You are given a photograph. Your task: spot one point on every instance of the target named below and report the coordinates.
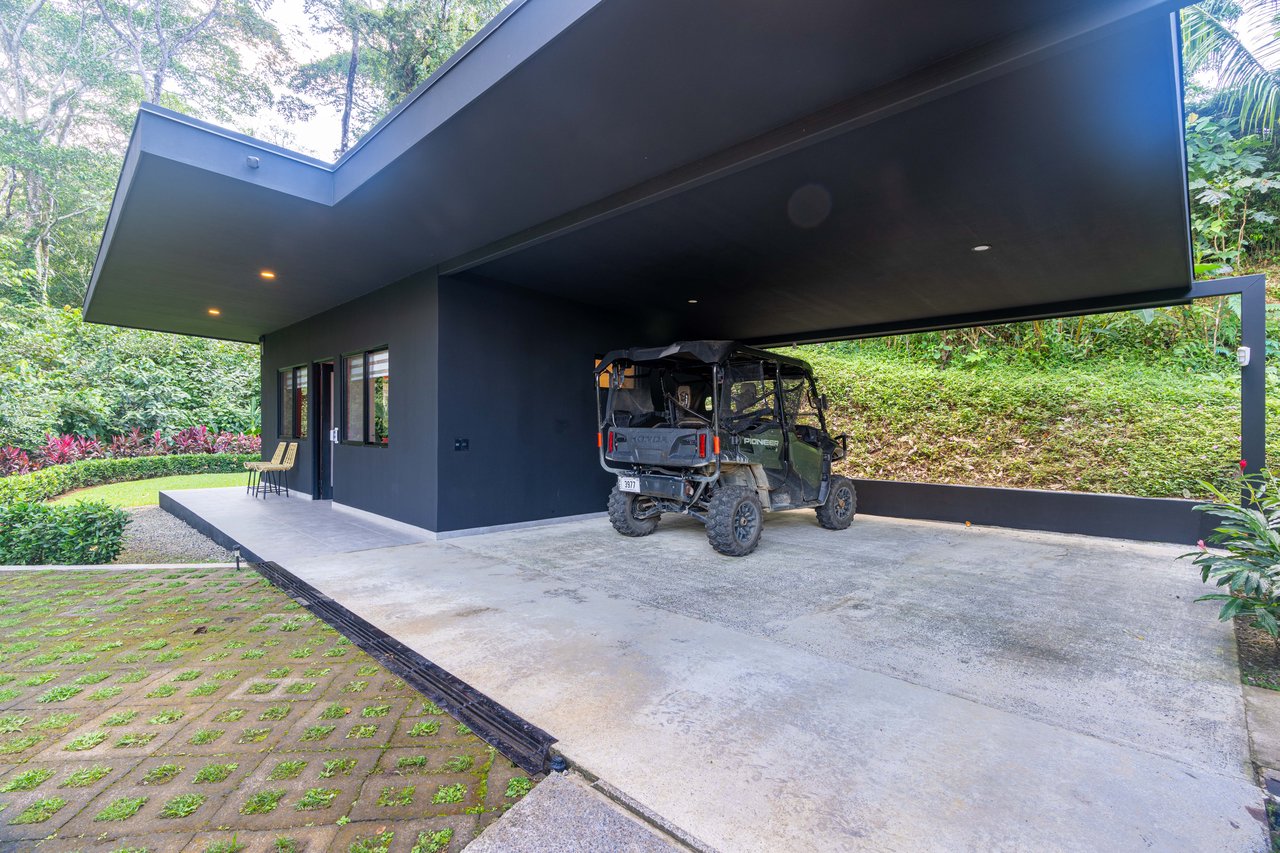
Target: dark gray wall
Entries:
(516, 383)
(397, 481)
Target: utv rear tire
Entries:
(842, 502)
(623, 507)
(734, 521)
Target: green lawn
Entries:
(147, 492)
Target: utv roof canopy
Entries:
(698, 352)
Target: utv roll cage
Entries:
(622, 367)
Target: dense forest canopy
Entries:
(74, 72)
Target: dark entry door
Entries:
(325, 423)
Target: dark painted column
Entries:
(1253, 376)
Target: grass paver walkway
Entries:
(202, 709)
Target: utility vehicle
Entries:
(718, 431)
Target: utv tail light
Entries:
(717, 445)
(610, 441)
(599, 439)
(702, 445)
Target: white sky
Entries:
(318, 137)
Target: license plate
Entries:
(629, 484)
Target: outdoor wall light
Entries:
(982, 248)
(267, 274)
(214, 312)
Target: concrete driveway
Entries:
(898, 686)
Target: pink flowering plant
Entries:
(66, 449)
(1242, 555)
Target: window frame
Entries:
(343, 361)
(301, 429)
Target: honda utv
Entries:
(718, 431)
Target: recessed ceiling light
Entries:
(267, 274)
(214, 312)
(982, 248)
(693, 302)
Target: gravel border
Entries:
(155, 536)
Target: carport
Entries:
(585, 176)
(814, 171)
(902, 685)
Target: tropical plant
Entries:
(1227, 176)
(1215, 40)
(1245, 559)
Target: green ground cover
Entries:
(147, 492)
(1106, 424)
(129, 720)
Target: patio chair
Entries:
(255, 468)
(278, 473)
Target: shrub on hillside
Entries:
(84, 533)
(50, 482)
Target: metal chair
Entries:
(255, 468)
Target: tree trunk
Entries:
(351, 90)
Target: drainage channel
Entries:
(516, 738)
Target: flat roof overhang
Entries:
(818, 168)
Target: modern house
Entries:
(592, 174)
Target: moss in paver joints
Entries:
(262, 802)
(182, 805)
(40, 811)
(287, 770)
(432, 842)
(86, 776)
(28, 780)
(121, 809)
(85, 741)
(455, 793)
(338, 766)
(314, 733)
(215, 773)
(317, 798)
(175, 699)
(206, 736)
(161, 774)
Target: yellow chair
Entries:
(255, 468)
(278, 473)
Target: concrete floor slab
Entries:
(898, 686)
(563, 815)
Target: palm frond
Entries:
(1248, 88)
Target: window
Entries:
(293, 403)
(367, 396)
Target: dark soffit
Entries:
(794, 167)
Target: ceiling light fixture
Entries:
(981, 248)
(214, 312)
(267, 274)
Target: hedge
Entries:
(85, 533)
(50, 482)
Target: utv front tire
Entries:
(734, 521)
(842, 503)
(623, 508)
